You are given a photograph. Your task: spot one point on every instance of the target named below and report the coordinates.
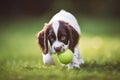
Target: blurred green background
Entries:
(20, 56)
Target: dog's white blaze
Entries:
(55, 26)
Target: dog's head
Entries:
(57, 36)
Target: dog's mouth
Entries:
(61, 51)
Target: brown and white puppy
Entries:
(61, 33)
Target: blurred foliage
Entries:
(39, 7)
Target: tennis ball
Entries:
(66, 56)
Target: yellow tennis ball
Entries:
(66, 56)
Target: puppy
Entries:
(62, 32)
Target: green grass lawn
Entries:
(20, 56)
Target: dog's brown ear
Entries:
(73, 36)
(42, 39)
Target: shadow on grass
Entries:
(106, 67)
(101, 67)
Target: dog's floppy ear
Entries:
(42, 38)
(73, 36)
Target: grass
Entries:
(20, 57)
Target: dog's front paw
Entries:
(81, 61)
(76, 63)
(73, 65)
(76, 66)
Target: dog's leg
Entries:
(47, 59)
(78, 55)
(77, 59)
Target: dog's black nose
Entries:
(58, 49)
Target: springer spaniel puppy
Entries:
(60, 33)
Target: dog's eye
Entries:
(52, 39)
(63, 38)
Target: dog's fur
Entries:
(61, 33)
